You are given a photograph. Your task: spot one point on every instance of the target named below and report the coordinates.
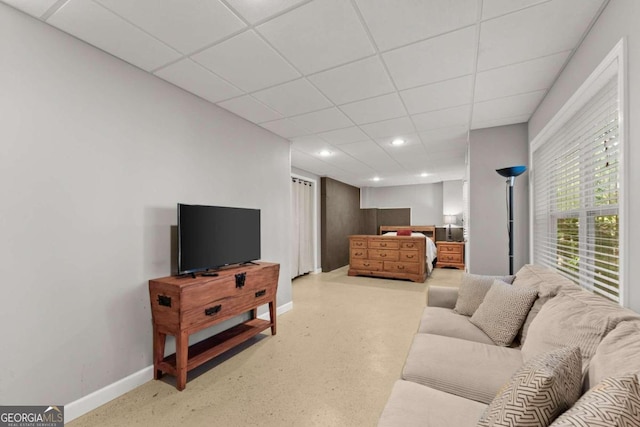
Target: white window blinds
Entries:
(576, 187)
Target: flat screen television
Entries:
(210, 237)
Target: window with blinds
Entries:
(576, 195)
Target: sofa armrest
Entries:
(442, 296)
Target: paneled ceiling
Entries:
(342, 79)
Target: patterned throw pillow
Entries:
(503, 311)
(538, 392)
(614, 402)
(473, 289)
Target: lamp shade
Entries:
(512, 171)
(449, 219)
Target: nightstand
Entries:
(450, 254)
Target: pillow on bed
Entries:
(404, 232)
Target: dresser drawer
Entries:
(366, 264)
(409, 256)
(358, 253)
(449, 248)
(358, 243)
(402, 267)
(384, 254)
(384, 243)
(409, 245)
(450, 257)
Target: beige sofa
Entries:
(454, 369)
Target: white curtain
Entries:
(302, 224)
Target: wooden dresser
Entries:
(450, 254)
(181, 306)
(397, 257)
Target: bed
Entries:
(399, 252)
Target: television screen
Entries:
(210, 237)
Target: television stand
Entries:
(184, 306)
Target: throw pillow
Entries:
(403, 232)
(472, 291)
(614, 402)
(503, 311)
(538, 392)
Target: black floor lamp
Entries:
(510, 173)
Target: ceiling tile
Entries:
(238, 59)
(254, 11)
(323, 120)
(372, 155)
(431, 138)
(344, 136)
(519, 78)
(35, 8)
(493, 8)
(185, 25)
(394, 23)
(346, 162)
(327, 33)
(296, 97)
(192, 77)
(393, 127)
(511, 106)
(503, 121)
(375, 109)
(442, 118)
(541, 30)
(310, 144)
(102, 28)
(355, 81)
(285, 128)
(314, 165)
(250, 109)
(441, 58)
(436, 96)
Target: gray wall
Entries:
(95, 156)
(424, 200)
(619, 19)
(488, 245)
(341, 216)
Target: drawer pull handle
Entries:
(212, 310)
(240, 279)
(366, 264)
(409, 256)
(401, 267)
(383, 245)
(358, 253)
(358, 244)
(261, 293)
(164, 300)
(383, 255)
(410, 245)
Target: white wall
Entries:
(425, 201)
(619, 19)
(316, 178)
(452, 201)
(488, 246)
(95, 156)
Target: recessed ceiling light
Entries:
(423, 174)
(325, 153)
(398, 141)
(375, 178)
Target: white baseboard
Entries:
(88, 403)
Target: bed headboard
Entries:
(427, 230)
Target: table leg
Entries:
(159, 340)
(182, 353)
(272, 316)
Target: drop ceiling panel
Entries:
(104, 29)
(437, 96)
(310, 144)
(285, 128)
(394, 23)
(511, 106)
(523, 77)
(296, 97)
(355, 81)
(540, 30)
(375, 109)
(327, 33)
(251, 109)
(393, 127)
(344, 136)
(502, 121)
(493, 8)
(33, 7)
(254, 11)
(440, 58)
(442, 135)
(323, 120)
(372, 155)
(185, 25)
(198, 80)
(442, 118)
(239, 59)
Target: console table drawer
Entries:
(366, 264)
(402, 267)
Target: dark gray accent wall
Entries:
(400, 216)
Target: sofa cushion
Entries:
(615, 402)
(444, 321)
(573, 318)
(412, 404)
(617, 354)
(503, 311)
(467, 369)
(473, 289)
(538, 392)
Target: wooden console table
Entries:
(181, 306)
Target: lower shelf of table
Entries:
(209, 348)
